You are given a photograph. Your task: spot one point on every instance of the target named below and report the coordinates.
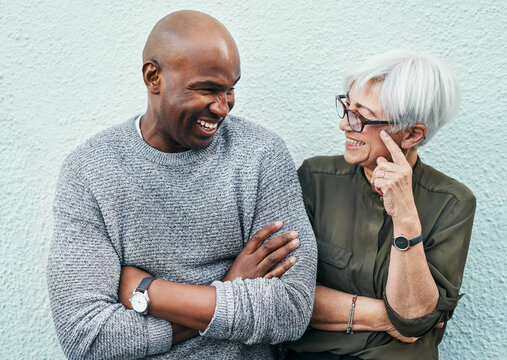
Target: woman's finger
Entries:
(381, 174)
(410, 340)
(382, 182)
(394, 149)
(388, 166)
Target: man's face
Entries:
(197, 93)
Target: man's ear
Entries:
(151, 77)
(413, 136)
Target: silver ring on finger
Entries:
(383, 174)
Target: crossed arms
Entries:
(190, 308)
(86, 261)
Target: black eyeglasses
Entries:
(355, 119)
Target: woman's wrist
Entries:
(370, 315)
(382, 322)
(407, 225)
(351, 315)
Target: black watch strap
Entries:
(416, 240)
(145, 283)
(402, 243)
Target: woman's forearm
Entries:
(332, 307)
(411, 290)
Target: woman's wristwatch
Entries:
(402, 243)
(139, 298)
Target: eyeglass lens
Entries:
(354, 121)
(340, 108)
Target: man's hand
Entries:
(130, 278)
(256, 258)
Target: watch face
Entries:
(139, 302)
(401, 243)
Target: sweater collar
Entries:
(190, 156)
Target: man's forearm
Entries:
(332, 308)
(182, 333)
(192, 306)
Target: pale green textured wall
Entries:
(71, 69)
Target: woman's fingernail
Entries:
(278, 223)
(292, 259)
(383, 133)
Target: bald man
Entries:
(167, 240)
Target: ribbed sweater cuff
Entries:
(160, 335)
(220, 326)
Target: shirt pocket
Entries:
(333, 266)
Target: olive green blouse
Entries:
(354, 236)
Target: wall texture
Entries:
(71, 69)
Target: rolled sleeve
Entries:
(413, 327)
(222, 322)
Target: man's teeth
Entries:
(207, 124)
(354, 142)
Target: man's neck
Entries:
(153, 134)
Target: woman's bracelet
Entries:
(351, 314)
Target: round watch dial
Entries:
(401, 243)
(139, 302)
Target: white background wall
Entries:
(71, 69)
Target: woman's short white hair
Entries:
(416, 89)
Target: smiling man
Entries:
(191, 64)
(157, 250)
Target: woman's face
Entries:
(365, 147)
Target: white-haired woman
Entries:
(393, 232)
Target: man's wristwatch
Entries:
(402, 243)
(139, 298)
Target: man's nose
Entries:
(220, 106)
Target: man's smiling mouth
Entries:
(207, 125)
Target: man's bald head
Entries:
(191, 65)
(186, 30)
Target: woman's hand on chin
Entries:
(393, 180)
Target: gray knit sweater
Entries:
(182, 217)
